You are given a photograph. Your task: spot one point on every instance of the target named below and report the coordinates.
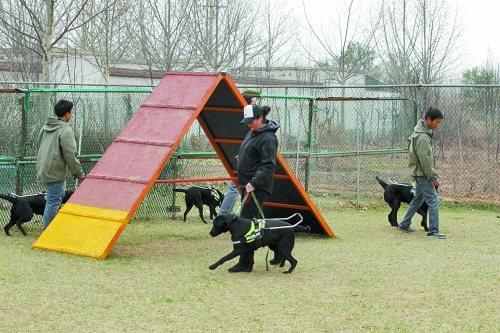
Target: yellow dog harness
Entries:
(256, 231)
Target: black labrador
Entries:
(395, 194)
(199, 196)
(277, 234)
(24, 207)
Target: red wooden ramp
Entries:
(92, 220)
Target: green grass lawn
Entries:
(370, 278)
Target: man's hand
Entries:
(249, 188)
(436, 182)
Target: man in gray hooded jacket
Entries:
(56, 152)
(422, 166)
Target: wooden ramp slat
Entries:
(83, 230)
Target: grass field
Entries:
(370, 278)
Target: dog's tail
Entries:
(300, 228)
(381, 182)
(179, 190)
(9, 198)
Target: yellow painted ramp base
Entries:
(83, 230)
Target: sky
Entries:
(481, 20)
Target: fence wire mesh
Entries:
(336, 139)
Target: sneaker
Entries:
(436, 235)
(408, 230)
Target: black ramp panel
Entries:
(225, 124)
(223, 97)
(284, 192)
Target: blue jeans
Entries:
(55, 195)
(229, 199)
(424, 190)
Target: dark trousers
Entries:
(250, 210)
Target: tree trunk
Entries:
(47, 42)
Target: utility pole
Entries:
(212, 35)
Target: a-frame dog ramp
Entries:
(92, 220)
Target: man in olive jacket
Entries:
(56, 152)
(422, 166)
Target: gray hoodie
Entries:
(422, 161)
(56, 152)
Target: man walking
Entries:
(56, 152)
(422, 165)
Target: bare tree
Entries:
(45, 25)
(162, 34)
(20, 63)
(22, 56)
(345, 47)
(278, 35)
(103, 37)
(224, 32)
(418, 40)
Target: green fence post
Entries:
(357, 157)
(312, 109)
(175, 176)
(24, 103)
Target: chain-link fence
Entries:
(359, 132)
(336, 139)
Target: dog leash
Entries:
(261, 214)
(256, 203)
(258, 206)
(238, 211)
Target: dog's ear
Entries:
(229, 219)
(219, 221)
(224, 219)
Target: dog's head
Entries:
(67, 195)
(221, 224)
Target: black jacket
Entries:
(257, 157)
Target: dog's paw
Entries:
(212, 267)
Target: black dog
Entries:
(24, 207)
(395, 194)
(277, 234)
(199, 196)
